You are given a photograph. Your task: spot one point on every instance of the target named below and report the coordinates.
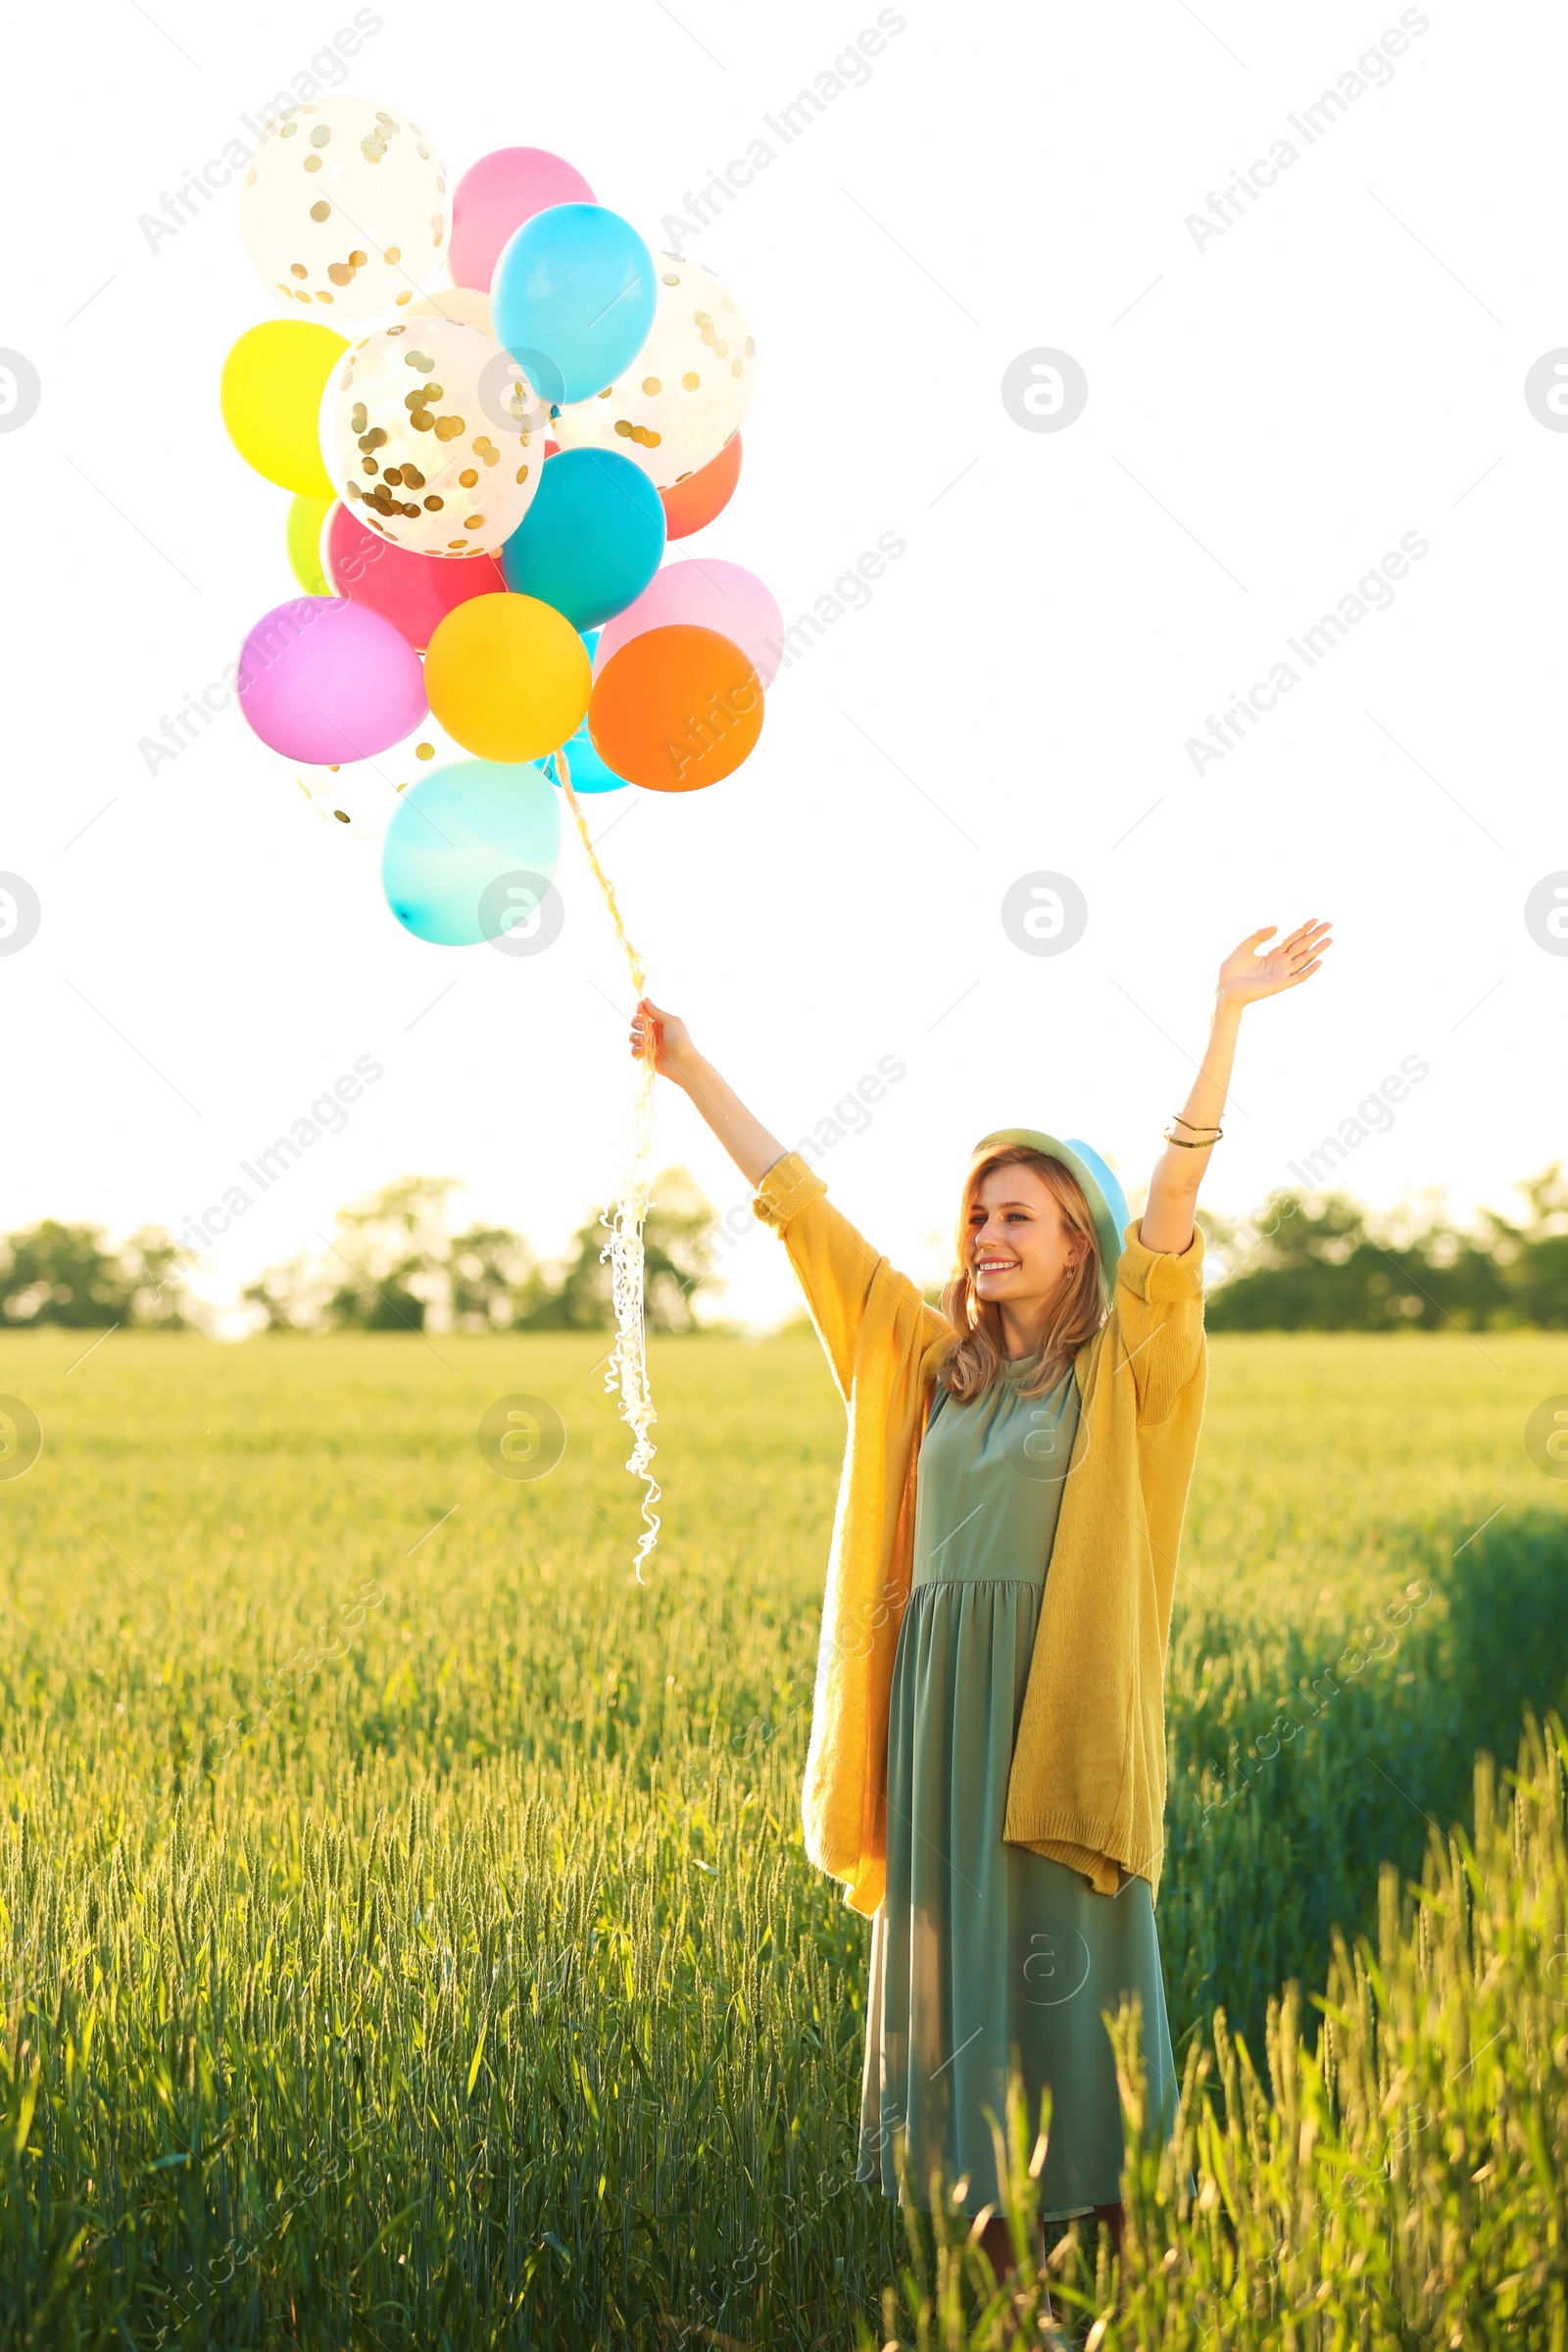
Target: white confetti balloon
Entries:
(690, 386)
(345, 209)
(469, 305)
(350, 800)
(357, 800)
(433, 437)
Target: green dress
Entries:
(982, 1951)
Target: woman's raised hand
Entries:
(743, 1136)
(1244, 975)
(674, 1055)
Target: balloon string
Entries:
(639, 971)
(626, 1366)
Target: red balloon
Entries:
(691, 502)
(414, 592)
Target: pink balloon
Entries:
(497, 195)
(414, 592)
(327, 681)
(705, 594)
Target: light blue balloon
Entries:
(588, 771)
(592, 538)
(457, 834)
(572, 299)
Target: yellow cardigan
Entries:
(1087, 1780)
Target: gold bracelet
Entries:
(1192, 1125)
(1182, 1145)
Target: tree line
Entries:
(392, 1264)
(1321, 1262)
(1305, 1263)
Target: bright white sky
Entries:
(1266, 416)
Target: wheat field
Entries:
(407, 1935)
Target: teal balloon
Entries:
(592, 538)
(588, 771)
(459, 832)
(572, 299)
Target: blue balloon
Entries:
(591, 540)
(588, 771)
(464, 844)
(572, 299)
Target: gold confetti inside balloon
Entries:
(356, 800)
(432, 436)
(345, 209)
(686, 391)
(352, 800)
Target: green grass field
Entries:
(406, 1927)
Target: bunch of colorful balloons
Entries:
(485, 478)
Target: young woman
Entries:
(987, 1763)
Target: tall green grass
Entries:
(455, 1975)
(1390, 2173)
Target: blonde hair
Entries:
(1077, 1312)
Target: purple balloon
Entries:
(329, 681)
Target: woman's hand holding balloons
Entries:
(424, 448)
(671, 1041)
(744, 1137)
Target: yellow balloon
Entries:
(306, 516)
(270, 396)
(508, 677)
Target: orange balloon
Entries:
(675, 708)
(700, 495)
